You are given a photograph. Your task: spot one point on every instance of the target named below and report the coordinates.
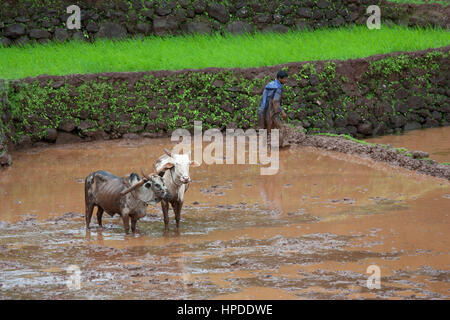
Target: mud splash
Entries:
(309, 232)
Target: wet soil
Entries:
(309, 232)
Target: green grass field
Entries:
(201, 51)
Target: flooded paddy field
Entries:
(309, 232)
(435, 141)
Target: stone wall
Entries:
(5, 157)
(44, 20)
(361, 97)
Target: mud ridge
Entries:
(376, 152)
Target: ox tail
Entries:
(88, 182)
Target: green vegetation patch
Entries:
(346, 136)
(321, 96)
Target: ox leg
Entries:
(165, 209)
(177, 209)
(133, 224)
(99, 216)
(88, 215)
(126, 223)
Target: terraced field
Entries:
(202, 51)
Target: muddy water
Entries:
(435, 141)
(309, 232)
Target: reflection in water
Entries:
(308, 232)
(271, 192)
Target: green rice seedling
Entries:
(202, 51)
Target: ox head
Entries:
(148, 189)
(178, 164)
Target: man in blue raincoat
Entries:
(270, 107)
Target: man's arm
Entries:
(277, 104)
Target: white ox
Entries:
(174, 168)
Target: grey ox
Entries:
(174, 168)
(128, 196)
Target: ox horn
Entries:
(168, 152)
(137, 185)
(146, 176)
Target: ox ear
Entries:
(194, 163)
(167, 166)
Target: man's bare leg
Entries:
(281, 130)
(261, 120)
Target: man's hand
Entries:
(284, 115)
